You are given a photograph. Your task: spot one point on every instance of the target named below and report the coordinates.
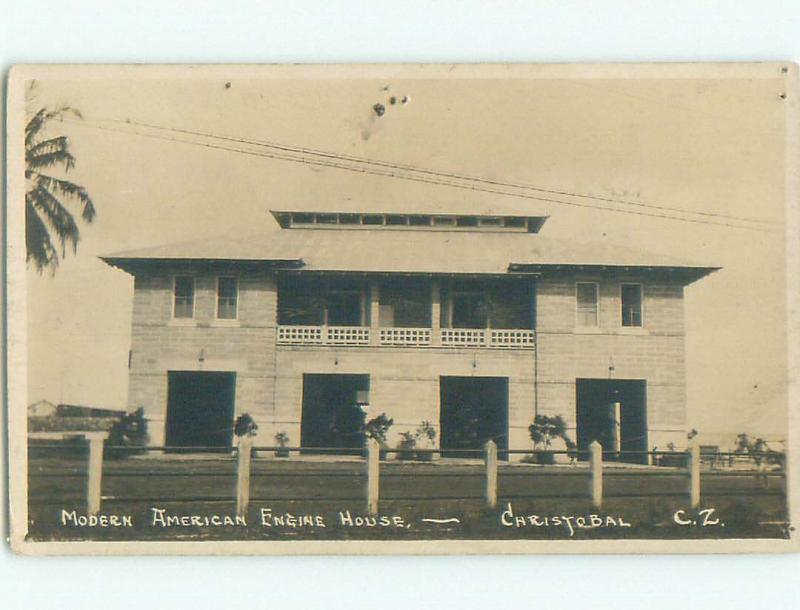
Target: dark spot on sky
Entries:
(228, 85)
(393, 100)
(379, 109)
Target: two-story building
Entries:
(473, 323)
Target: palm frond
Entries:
(49, 153)
(39, 247)
(34, 125)
(44, 115)
(46, 216)
(57, 216)
(58, 186)
(46, 160)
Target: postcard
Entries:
(392, 309)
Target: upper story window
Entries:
(227, 298)
(344, 307)
(470, 310)
(183, 295)
(311, 300)
(587, 301)
(405, 302)
(382, 220)
(489, 303)
(631, 296)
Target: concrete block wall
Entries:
(654, 352)
(405, 381)
(160, 344)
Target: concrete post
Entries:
(491, 474)
(373, 475)
(436, 313)
(374, 312)
(243, 475)
(95, 474)
(616, 434)
(596, 473)
(693, 467)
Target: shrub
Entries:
(758, 450)
(245, 425)
(377, 427)
(545, 429)
(128, 436)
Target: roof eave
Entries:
(687, 274)
(133, 265)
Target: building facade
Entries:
(473, 324)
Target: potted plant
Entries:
(543, 430)
(407, 444)
(425, 437)
(245, 427)
(673, 459)
(421, 438)
(282, 439)
(376, 428)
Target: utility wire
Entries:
(393, 174)
(444, 174)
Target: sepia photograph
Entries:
(401, 308)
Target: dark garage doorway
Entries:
(200, 407)
(332, 416)
(473, 411)
(594, 398)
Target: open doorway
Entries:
(473, 411)
(332, 414)
(200, 407)
(609, 407)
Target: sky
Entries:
(682, 140)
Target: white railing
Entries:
(463, 337)
(512, 338)
(405, 336)
(300, 335)
(420, 337)
(494, 338)
(346, 335)
(323, 335)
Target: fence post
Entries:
(693, 467)
(596, 473)
(95, 482)
(243, 475)
(491, 474)
(373, 475)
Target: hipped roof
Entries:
(423, 252)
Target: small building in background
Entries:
(43, 416)
(41, 408)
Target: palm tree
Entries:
(47, 219)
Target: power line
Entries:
(392, 174)
(440, 173)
